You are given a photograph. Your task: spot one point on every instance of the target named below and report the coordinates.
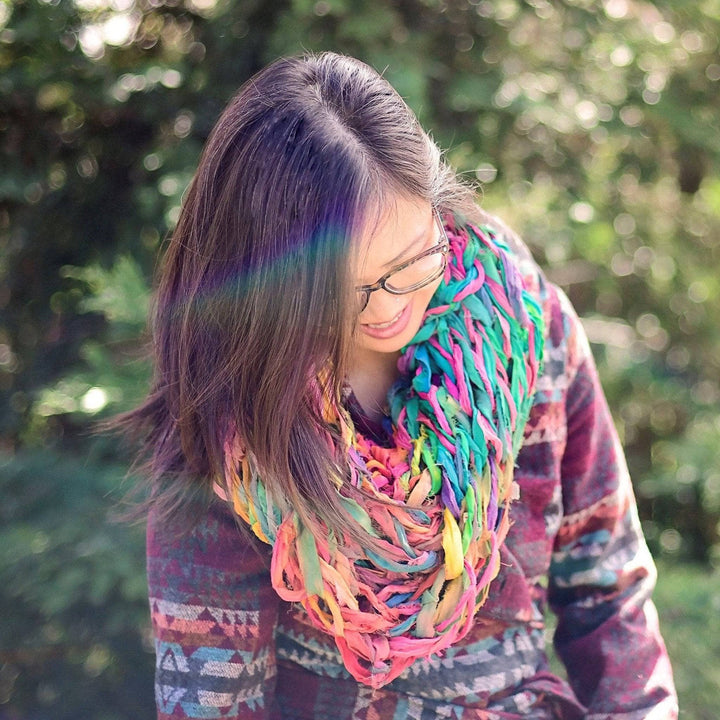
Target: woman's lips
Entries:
(390, 328)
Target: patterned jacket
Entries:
(227, 647)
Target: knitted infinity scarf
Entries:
(445, 485)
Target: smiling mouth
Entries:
(380, 326)
(391, 328)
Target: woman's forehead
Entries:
(392, 232)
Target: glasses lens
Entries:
(418, 273)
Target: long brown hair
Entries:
(254, 294)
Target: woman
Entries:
(390, 433)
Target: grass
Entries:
(688, 602)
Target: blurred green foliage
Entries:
(74, 640)
(592, 127)
(688, 599)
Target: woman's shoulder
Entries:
(533, 276)
(206, 535)
(564, 335)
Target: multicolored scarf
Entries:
(444, 486)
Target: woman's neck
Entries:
(371, 376)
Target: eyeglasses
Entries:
(413, 274)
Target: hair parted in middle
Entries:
(255, 293)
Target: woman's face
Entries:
(403, 228)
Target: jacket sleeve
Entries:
(213, 614)
(602, 575)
